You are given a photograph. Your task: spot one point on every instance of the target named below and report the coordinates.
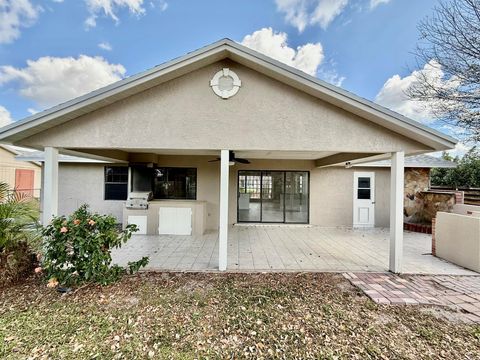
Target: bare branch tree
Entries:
(450, 44)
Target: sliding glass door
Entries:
(273, 196)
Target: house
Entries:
(23, 176)
(226, 135)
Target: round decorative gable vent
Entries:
(225, 83)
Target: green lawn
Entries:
(186, 316)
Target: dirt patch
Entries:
(16, 265)
(451, 315)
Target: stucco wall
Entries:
(184, 113)
(84, 184)
(457, 239)
(8, 164)
(331, 189)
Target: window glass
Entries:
(363, 194)
(175, 183)
(364, 183)
(116, 182)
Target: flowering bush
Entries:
(77, 249)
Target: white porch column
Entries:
(50, 185)
(396, 211)
(223, 229)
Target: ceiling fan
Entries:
(232, 158)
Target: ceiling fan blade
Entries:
(217, 159)
(242, 161)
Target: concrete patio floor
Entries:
(286, 248)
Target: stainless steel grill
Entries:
(138, 200)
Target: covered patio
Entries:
(202, 149)
(287, 248)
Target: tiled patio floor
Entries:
(286, 248)
(456, 292)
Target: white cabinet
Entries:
(175, 221)
(140, 221)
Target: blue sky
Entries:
(357, 44)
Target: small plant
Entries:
(77, 249)
(19, 235)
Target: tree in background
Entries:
(466, 174)
(450, 45)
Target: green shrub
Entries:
(18, 219)
(19, 234)
(78, 249)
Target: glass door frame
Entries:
(261, 173)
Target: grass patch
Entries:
(184, 316)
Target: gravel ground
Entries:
(185, 316)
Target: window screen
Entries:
(116, 182)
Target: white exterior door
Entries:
(364, 199)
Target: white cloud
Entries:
(109, 8)
(52, 80)
(105, 46)
(14, 15)
(162, 5)
(302, 13)
(459, 150)
(393, 93)
(332, 77)
(307, 57)
(375, 3)
(5, 117)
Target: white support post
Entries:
(396, 211)
(50, 185)
(223, 229)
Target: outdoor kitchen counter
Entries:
(152, 217)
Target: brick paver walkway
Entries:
(455, 292)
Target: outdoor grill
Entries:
(138, 200)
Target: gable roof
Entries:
(414, 161)
(207, 55)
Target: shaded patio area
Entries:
(286, 248)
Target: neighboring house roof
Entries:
(414, 161)
(39, 157)
(217, 51)
(16, 151)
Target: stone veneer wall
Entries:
(420, 203)
(416, 181)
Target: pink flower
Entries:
(63, 229)
(76, 221)
(38, 270)
(91, 222)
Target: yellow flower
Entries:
(76, 221)
(52, 283)
(91, 222)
